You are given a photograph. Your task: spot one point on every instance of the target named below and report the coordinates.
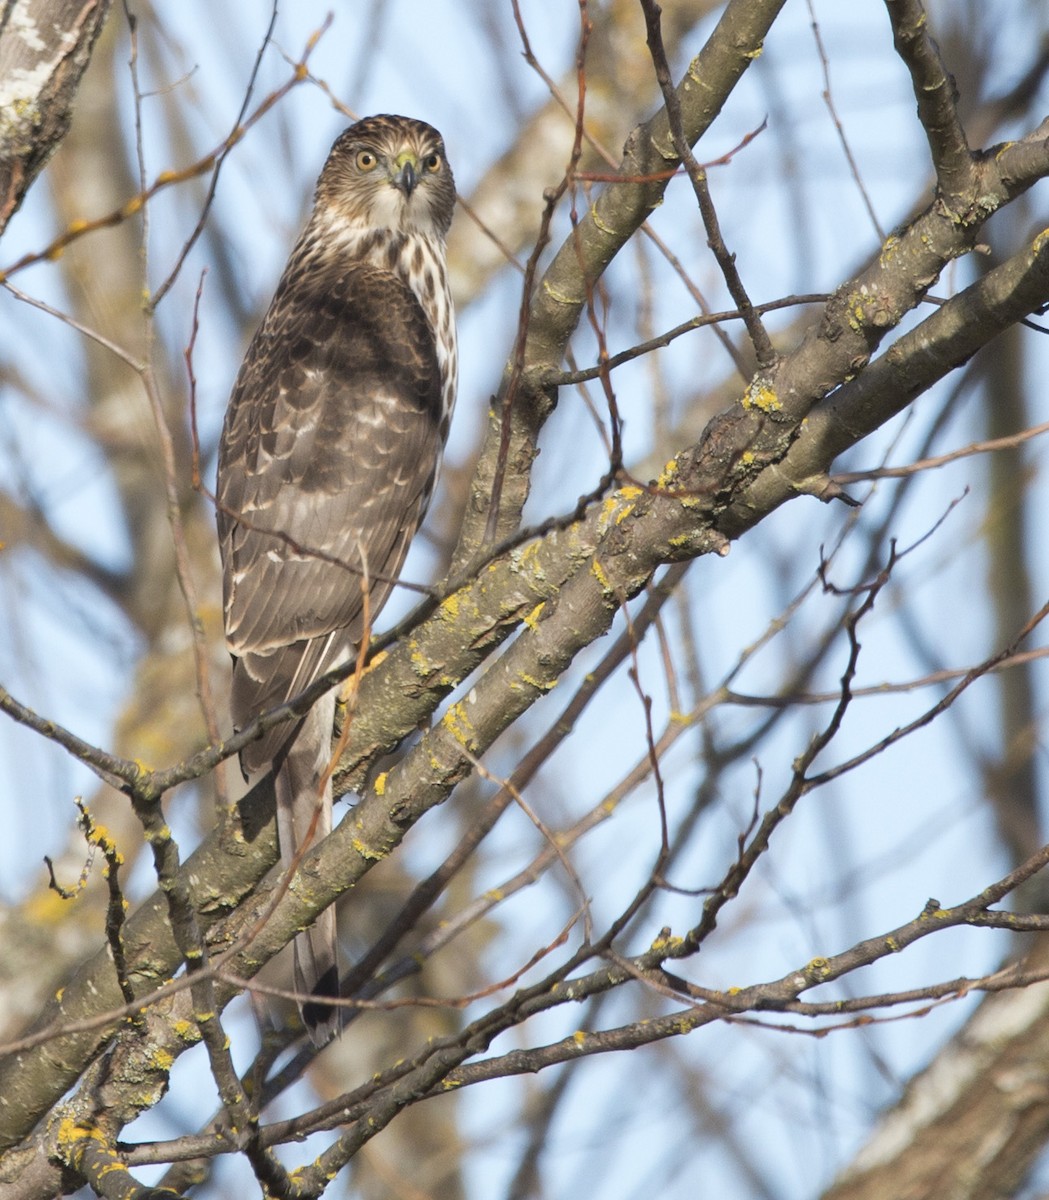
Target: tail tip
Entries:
(322, 1019)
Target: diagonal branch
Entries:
(937, 98)
(942, 342)
(763, 350)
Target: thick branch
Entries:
(45, 46)
(636, 531)
(942, 342)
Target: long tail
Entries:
(303, 803)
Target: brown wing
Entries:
(328, 454)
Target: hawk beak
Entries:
(407, 177)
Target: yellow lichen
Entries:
(70, 1135)
(368, 853)
(665, 945)
(163, 1060)
(888, 250)
(459, 725)
(608, 507)
(599, 573)
(378, 658)
(668, 474)
(759, 395)
(421, 665)
(532, 620)
(619, 505)
(857, 314)
(540, 685)
(526, 559)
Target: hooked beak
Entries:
(407, 177)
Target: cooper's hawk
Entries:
(329, 454)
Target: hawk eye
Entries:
(366, 161)
(432, 162)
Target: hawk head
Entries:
(389, 173)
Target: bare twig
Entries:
(166, 179)
(828, 99)
(664, 339)
(219, 159)
(551, 199)
(763, 349)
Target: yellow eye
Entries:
(366, 161)
(432, 163)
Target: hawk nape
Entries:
(329, 454)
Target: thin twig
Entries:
(219, 161)
(763, 348)
(171, 178)
(828, 99)
(664, 339)
(551, 199)
(989, 446)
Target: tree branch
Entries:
(45, 46)
(936, 95)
